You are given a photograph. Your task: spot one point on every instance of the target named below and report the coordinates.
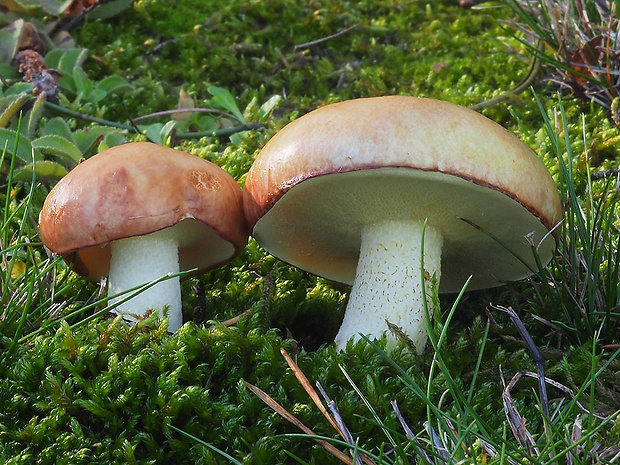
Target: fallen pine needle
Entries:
(262, 395)
(235, 320)
(305, 383)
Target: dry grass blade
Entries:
(310, 390)
(402, 421)
(515, 420)
(339, 425)
(409, 433)
(581, 44)
(348, 437)
(562, 388)
(437, 443)
(491, 451)
(536, 355)
(234, 320)
(276, 407)
(575, 438)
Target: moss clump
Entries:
(108, 394)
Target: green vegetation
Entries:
(78, 386)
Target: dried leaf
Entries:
(185, 102)
(586, 59)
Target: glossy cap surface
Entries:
(323, 176)
(139, 188)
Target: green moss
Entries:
(391, 48)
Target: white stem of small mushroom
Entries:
(139, 260)
(388, 285)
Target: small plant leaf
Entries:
(112, 140)
(21, 6)
(45, 170)
(7, 71)
(55, 7)
(9, 106)
(62, 40)
(66, 61)
(87, 139)
(83, 85)
(206, 123)
(223, 99)
(157, 132)
(23, 150)
(9, 38)
(109, 9)
(97, 95)
(18, 269)
(56, 126)
(34, 116)
(267, 108)
(18, 88)
(57, 145)
(114, 84)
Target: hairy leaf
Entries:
(57, 145)
(45, 170)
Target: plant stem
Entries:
(129, 128)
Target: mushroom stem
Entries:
(139, 260)
(387, 285)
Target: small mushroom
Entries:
(348, 191)
(139, 212)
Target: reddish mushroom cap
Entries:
(136, 189)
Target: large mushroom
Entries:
(140, 212)
(349, 191)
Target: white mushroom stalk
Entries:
(388, 281)
(139, 260)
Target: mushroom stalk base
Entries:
(388, 282)
(139, 260)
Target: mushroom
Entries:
(351, 191)
(140, 212)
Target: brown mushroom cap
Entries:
(139, 188)
(401, 158)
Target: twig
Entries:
(80, 17)
(301, 377)
(605, 174)
(220, 132)
(76, 114)
(182, 110)
(324, 39)
(133, 129)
